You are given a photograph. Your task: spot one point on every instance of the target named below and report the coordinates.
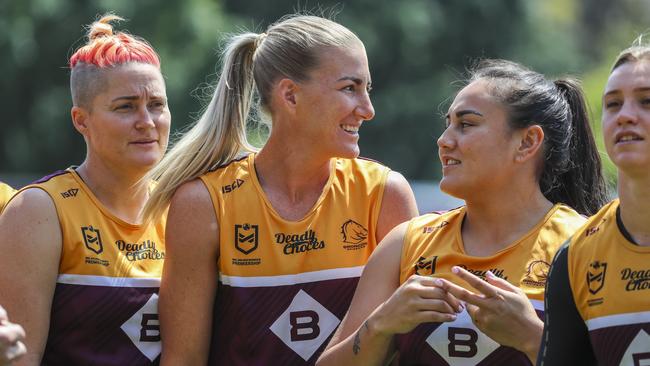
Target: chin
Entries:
(350, 153)
(449, 187)
(633, 165)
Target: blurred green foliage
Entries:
(416, 48)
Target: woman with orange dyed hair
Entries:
(84, 269)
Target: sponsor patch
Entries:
(299, 243)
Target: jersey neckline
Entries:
(260, 191)
(461, 244)
(102, 208)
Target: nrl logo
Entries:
(246, 238)
(92, 239)
(426, 266)
(596, 276)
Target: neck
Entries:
(292, 179)
(291, 172)
(498, 219)
(123, 194)
(635, 213)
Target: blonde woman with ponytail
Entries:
(265, 248)
(84, 269)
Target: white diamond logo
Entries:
(460, 342)
(638, 352)
(305, 325)
(143, 328)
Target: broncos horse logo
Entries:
(353, 232)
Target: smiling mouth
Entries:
(353, 130)
(450, 161)
(628, 138)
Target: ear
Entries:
(286, 91)
(80, 119)
(532, 140)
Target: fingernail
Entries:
(438, 282)
(455, 269)
(452, 317)
(490, 274)
(461, 308)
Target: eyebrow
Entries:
(126, 97)
(641, 89)
(465, 112)
(356, 80)
(136, 97)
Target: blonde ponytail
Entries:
(219, 136)
(289, 48)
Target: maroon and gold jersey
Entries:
(105, 305)
(284, 286)
(433, 245)
(610, 280)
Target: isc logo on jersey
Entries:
(231, 187)
(305, 325)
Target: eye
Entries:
(368, 88)
(645, 101)
(124, 107)
(464, 124)
(609, 104)
(158, 104)
(349, 88)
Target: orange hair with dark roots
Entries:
(106, 49)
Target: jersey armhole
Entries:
(404, 252)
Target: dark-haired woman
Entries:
(519, 150)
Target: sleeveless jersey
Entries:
(105, 305)
(433, 245)
(5, 194)
(284, 286)
(610, 281)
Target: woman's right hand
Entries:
(418, 300)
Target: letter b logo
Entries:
(304, 325)
(462, 342)
(150, 331)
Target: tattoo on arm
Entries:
(356, 347)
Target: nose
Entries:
(365, 110)
(145, 119)
(446, 140)
(627, 114)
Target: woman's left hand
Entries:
(500, 310)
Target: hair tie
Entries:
(260, 38)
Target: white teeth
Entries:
(628, 138)
(350, 128)
(452, 162)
